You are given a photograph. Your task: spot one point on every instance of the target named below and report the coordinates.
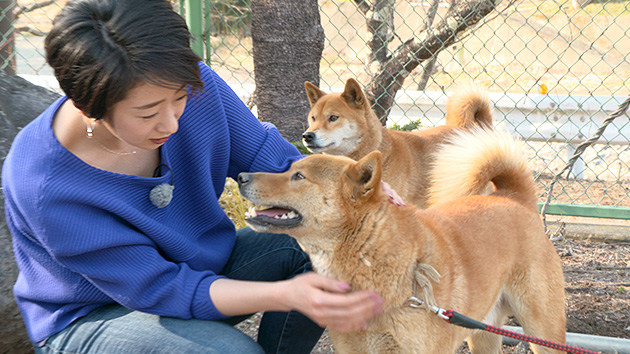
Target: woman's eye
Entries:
(333, 118)
(149, 116)
(181, 98)
(297, 176)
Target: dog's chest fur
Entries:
(321, 262)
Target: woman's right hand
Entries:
(331, 303)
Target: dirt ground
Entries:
(597, 279)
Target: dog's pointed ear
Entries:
(366, 174)
(313, 92)
(353, 95)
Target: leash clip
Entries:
(415, 302)
(442, 313)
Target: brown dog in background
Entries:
(345, 124)
(490, 251)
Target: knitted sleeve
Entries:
(254, 146)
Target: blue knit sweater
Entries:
(84, 237)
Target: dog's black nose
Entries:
(308, 137)
(243, 178)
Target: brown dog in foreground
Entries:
(491, 251)
(345, 124)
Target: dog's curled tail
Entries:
(469, 106)
(470, 159)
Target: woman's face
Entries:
(148, 116)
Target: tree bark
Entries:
(380, 23)
(393, 71)
(288, 41)
(428, 67)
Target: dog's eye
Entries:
(333, 118)
(297, 176)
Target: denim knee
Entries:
(114, 329)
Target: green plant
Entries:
(300, 146)
(411, 126)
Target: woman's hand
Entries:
(327, 301)
(331, 303)
(393, 196)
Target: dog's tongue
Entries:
(271, 212)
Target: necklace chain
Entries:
(114, 152)
(90, 135)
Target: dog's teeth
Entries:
(292, 215)
(284, 217)
(251, 213)
(276, 217)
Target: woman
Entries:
(112, 200)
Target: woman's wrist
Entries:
(236, 297)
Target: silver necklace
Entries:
(90, 135)
(114, 152)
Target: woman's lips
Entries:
(161, 140)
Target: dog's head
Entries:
(315, 199)
(336, 120)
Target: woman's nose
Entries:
(169, 123)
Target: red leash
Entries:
(467, 322)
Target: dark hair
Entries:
(101, 49)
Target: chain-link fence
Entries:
(555, 70)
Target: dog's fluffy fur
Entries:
(491, 252)
(344, 124)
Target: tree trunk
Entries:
(428, 67)
(288, 41)
(380, 23)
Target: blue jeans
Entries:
(258, 257)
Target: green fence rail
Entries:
(555, 70)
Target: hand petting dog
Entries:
(393, 196)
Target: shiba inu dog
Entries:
(484, 256)
(344, 124)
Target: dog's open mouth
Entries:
(275, 216)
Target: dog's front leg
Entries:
(350, 343)
(383, 343)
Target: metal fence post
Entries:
(206, 32)
(194, 19)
